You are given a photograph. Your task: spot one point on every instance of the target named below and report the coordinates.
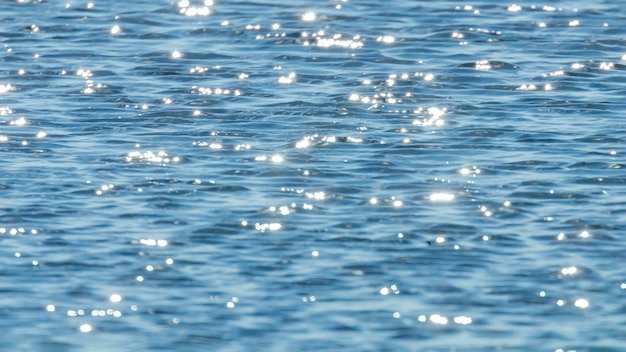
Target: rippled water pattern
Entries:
(312, 175)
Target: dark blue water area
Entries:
(351, 175)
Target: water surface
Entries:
(339, 175)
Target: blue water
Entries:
(313, 175)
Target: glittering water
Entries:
(344, 175)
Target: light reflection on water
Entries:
(354, 175)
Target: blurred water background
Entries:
(312, 175)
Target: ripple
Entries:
(311, 175)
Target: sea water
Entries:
(351, 175)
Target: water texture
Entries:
(312, 175)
